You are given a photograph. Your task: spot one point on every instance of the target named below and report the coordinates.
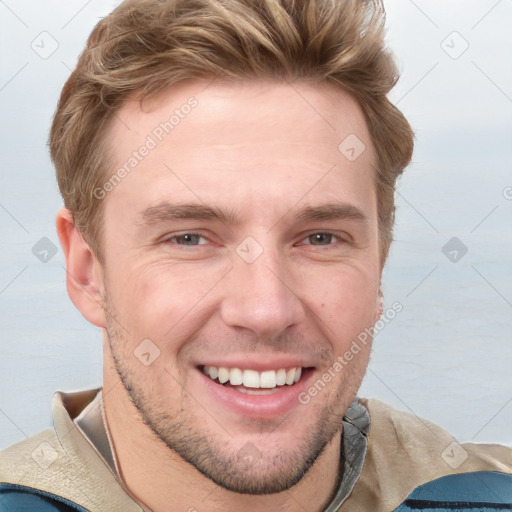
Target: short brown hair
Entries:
(145, 46)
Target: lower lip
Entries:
(269, 406)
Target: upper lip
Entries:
(258, 362)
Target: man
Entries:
(228, 170)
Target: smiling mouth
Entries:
(253, 382)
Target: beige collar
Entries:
(403, 452)
(88, 467)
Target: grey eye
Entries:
(187, 239)
(320, 239)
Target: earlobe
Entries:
(83, 270)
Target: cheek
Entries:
(345, 303)
(163, 301)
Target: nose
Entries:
(260, 297)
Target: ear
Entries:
(84, 276)
(380, 305)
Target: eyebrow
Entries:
(331, 211)
(166, 212)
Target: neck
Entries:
(160, 480)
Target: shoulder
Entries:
(483, 491)
(60, 468)
(16, 498)
(27, 470)
(29, 459)
(408, 454)
(419, 442)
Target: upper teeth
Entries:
(253, 378)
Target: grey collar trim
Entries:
(356, 427)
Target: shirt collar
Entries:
(356, 427)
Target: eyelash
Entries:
(325, 233)
(181, 235)
(170, 239)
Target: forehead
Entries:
(259, 138)
(263, 106)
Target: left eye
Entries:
(321, 239)
(188, 239)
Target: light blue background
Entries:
(447, 356)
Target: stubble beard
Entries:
(248, 470)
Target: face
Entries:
(241, 259)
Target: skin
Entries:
(262, 151)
